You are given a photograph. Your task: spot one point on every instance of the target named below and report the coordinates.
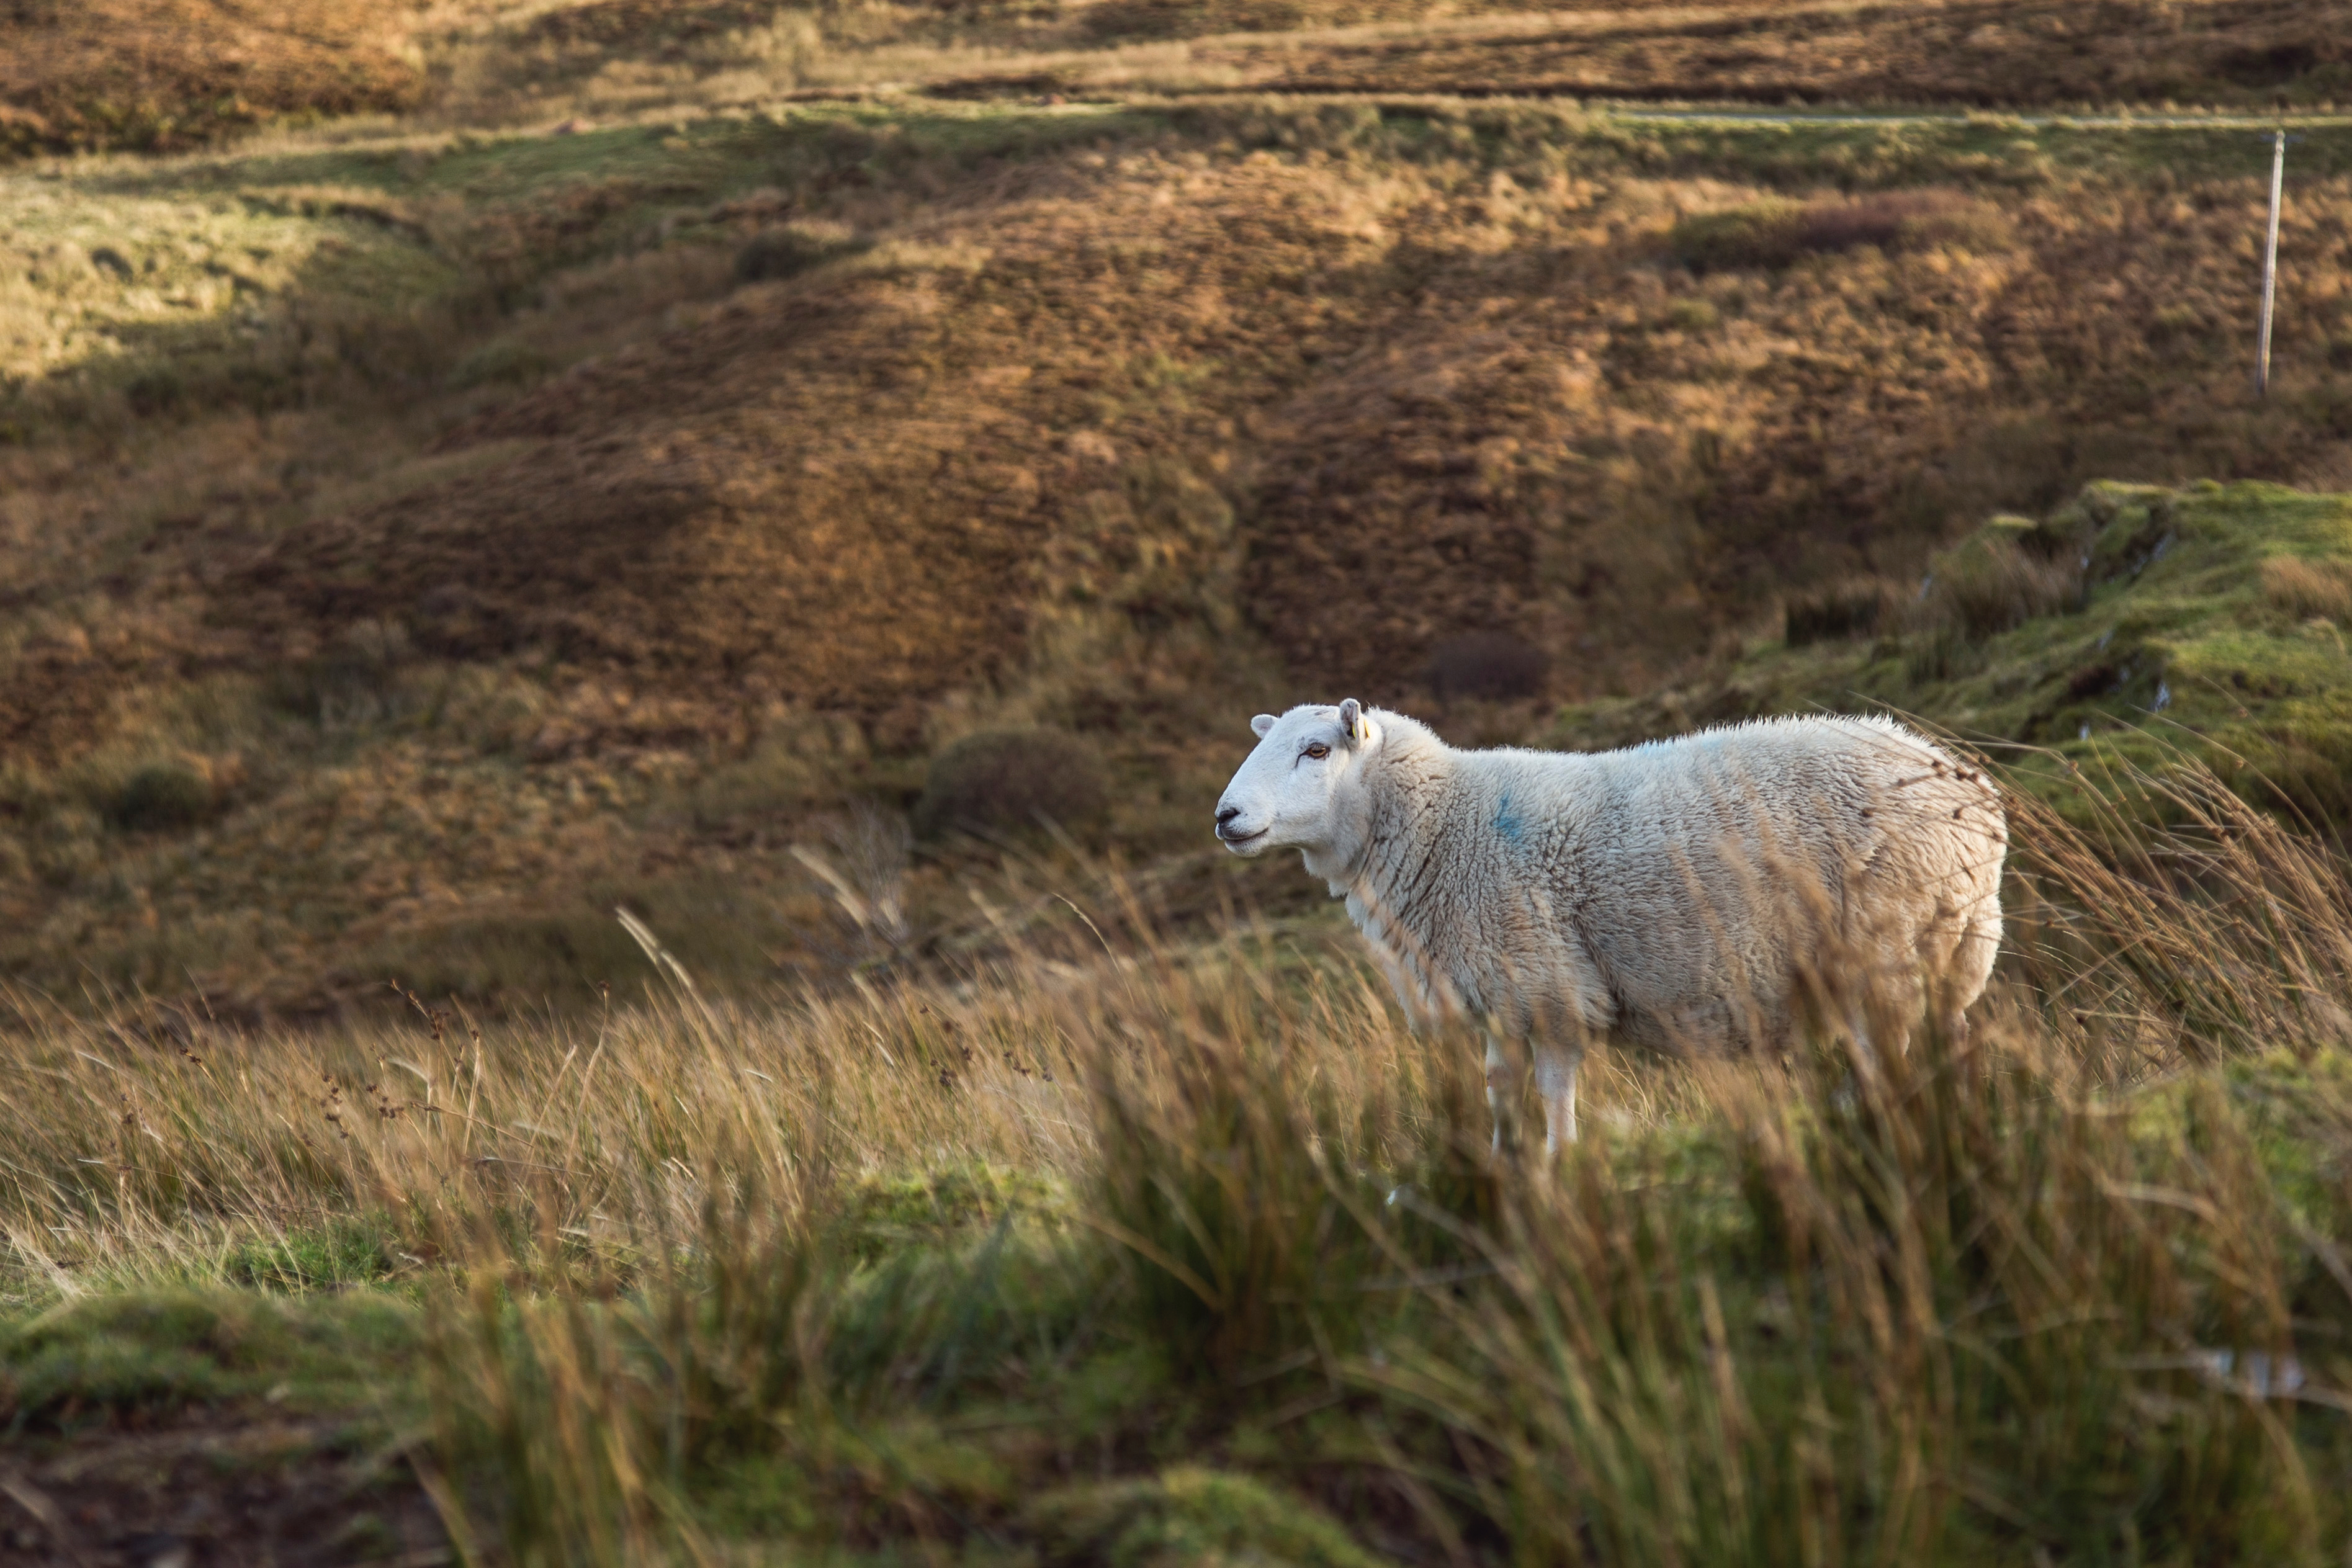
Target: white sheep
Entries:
(1693, 894)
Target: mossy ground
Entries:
(2172, 628)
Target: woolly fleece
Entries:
(1684, 895)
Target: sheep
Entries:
(1687, 895)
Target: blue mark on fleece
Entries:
(1507, 823)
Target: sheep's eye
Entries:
(1319, 751)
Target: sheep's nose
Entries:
(1226, 814)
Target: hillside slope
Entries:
(2004, 53)
(419, 546)
(165, 75)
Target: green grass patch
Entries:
(2131, 626)
(1189, 1514)
(355, 1250)
(151, 1353)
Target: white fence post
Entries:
(2270, 267)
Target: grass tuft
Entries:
(2305, 588)
(1188, 1514)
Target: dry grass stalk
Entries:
(2307, 589)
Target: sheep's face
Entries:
(1298, 789)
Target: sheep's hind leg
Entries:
(1502, 1092)
(1556, 1068)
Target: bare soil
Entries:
(214, 1489)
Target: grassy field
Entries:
(1109, 1250)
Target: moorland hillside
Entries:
(424, 537)
(184, 73)
(469, 467)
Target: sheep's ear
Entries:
(1261, 725)
(1352, 719)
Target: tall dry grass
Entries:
(2078, 1287)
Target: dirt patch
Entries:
(224, 1489)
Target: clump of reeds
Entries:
(1933, 1299)
(2001, 578)
(2007, 573)
(2223, 932)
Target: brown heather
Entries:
(2003, 55)
(166, 74)
(506, 559)
(186, 73)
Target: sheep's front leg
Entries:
(1502, 1092)
(1556, 1068)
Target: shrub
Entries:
(1759, 234)
(1852, 609)
(354, 682)
(1906, 220)
(1999, 580)
(1492, 666)
(1693, 315)
(787, 252)
(1007, 780)
(1776, 232)
(161, 797)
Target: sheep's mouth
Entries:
(1235, 840)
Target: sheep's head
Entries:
(1298, 788)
